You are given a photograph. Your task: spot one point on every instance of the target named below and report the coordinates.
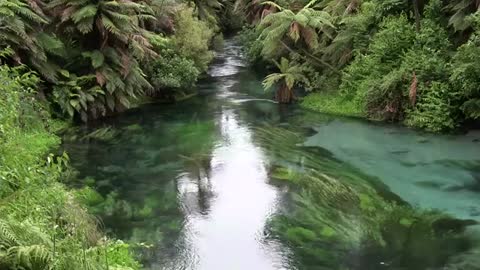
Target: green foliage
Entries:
(374, 80)
(290, 74)
(298, 26)
(192, 38)
(395, 56)
(19, 23)
(434, 111)
(461, 10)
(120, 257)
(75, 94)
(252, 45)
(93, 54)
(171, 70)
(466, 71)
(42, 226)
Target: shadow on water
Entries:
(207, 183)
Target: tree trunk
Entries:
(416, 11)
(284, 94)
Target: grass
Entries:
(332, 103)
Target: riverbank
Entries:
(42, 223)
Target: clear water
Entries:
(192, 180)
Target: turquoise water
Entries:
(192, 180)
(431, 171)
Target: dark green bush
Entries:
(172, 71)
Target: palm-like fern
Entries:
(254, 10)
(295, 26)
(24, 246)
(110, 21)
(288, 76)
(111, 36)
(207, 9)
(163, 11)
(17, 22)
(461, 9)
(20, 28)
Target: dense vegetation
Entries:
(401, 60)
(41, 224)
(98, 57)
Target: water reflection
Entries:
(229, 234)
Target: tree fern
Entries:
(296, 26)
(288, 76)
(461, 9)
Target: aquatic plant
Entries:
(341, 218)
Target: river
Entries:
(191, 180)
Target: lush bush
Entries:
(170, 70)
(465, 77)
(435, 110)
(374, 80)
(192, 38)
(251, 44)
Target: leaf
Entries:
(85, 13)
(65, 73)
(74, 103)
(110, 102)
(97, 58)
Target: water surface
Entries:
(192, 181)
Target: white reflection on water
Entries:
(230, 234)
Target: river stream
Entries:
(191, 180)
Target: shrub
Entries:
(252, 46)
(465, 78)
(374, 79)
(192, 38)
(435, 111)
(171, 70)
